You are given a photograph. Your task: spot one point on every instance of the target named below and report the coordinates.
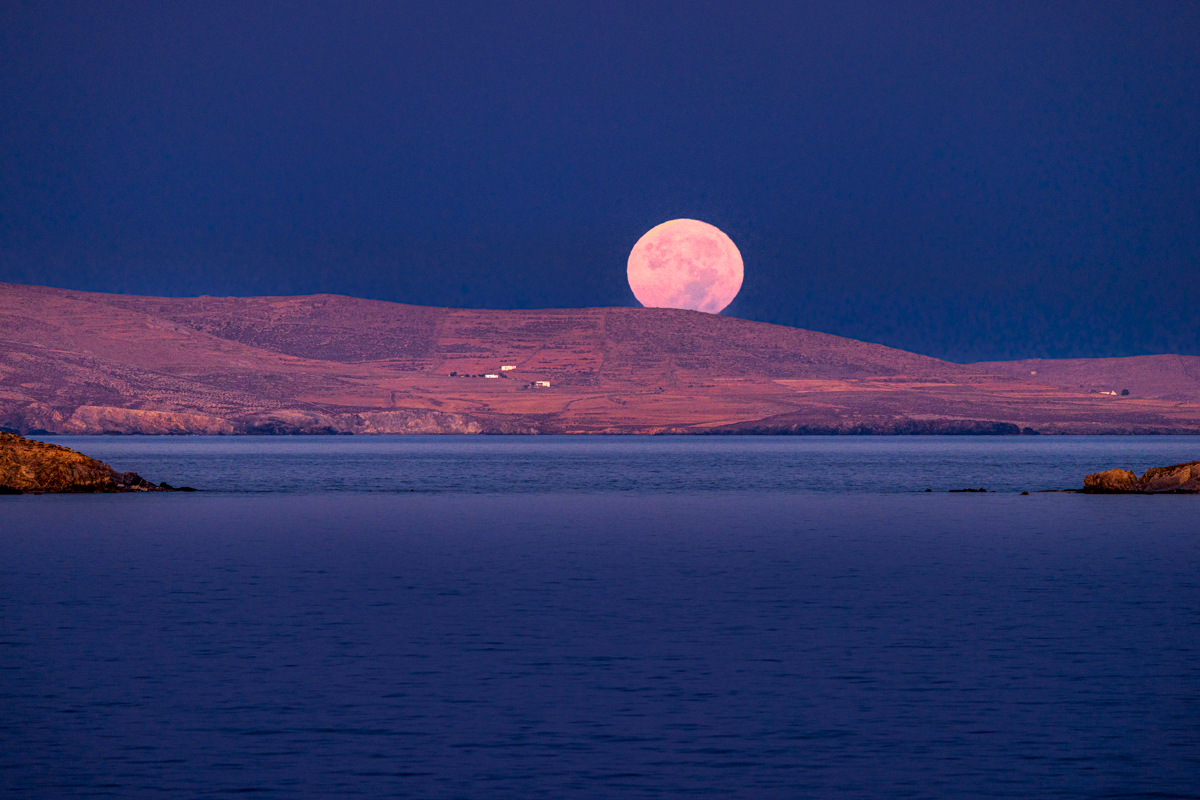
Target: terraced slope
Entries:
(1168, 377)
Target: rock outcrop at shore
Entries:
(32, 467)
(1176, 479)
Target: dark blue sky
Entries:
(967, 180)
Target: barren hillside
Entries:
(92, 363)
(1168, 377)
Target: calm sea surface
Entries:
(636, 464)
(617, 617)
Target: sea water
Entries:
(603, 618)
(635, 464)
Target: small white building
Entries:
(507, 368)
(542, 384)
(491, 375)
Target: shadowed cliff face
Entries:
(74, 362)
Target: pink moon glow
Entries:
(685, 263)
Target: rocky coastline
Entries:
(1175, 479)
(32, 467)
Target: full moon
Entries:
(685, 263)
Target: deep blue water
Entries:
(612, 618)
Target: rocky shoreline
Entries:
(32, 467)
(1175, 479)
(39, 420)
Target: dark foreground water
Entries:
(604, 643)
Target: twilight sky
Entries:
(967, 180)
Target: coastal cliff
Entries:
(32, 467)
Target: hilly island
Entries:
(81, 363)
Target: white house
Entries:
(491, 375)
(507, 368)
(543, 384)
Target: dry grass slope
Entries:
(77, 362)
